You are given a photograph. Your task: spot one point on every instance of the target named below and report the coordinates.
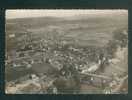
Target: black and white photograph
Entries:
(66, 51)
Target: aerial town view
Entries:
(73, 51)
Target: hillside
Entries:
(51, 53)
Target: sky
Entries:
(22, 13)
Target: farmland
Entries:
(47, 48)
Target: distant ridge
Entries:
(31, 18)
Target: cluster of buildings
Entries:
(48, 59)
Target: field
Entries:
(44, 45)
(87, 31)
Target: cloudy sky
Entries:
(10, 14)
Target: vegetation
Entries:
(60, 53)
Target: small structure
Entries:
(11, 35)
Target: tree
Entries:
(121, 37)
(69, 82)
